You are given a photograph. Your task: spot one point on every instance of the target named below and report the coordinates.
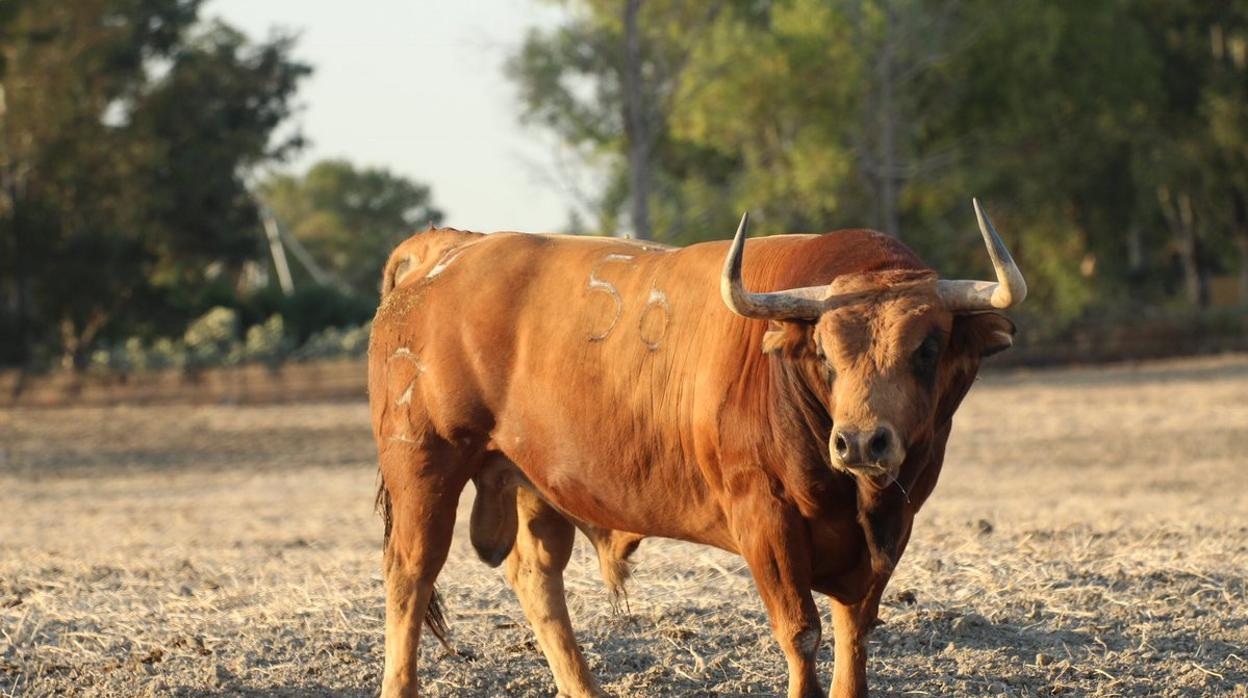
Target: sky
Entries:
(417, 86)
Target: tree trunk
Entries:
(17, 272)
(1193, 271)
(889, 216)
(1135, 252)
(1239, 207)
(637, 126)
(1178, 213)
(76, 342)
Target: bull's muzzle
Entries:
(872, 451)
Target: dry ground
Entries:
(1088, 537)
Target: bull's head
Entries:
(885, 344)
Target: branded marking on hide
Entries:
(405, 353)
(655, 317)
(406, 397)
(447, 257)
(597, 284)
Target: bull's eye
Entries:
(826, 370)
(926, 359)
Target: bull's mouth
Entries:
(869, 470)
(871, 474)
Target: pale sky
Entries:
(417, 86)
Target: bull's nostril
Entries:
(842, 446)
(877, 447)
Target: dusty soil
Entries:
(1088, 537)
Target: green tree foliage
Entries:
(606, 83)
(350, 218)
(1109, 138)
(126, 129)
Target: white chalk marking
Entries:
(405, 353)
(447, 257)
(597, 284)
(406, 397)
(658, 299)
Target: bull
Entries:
(633, 390)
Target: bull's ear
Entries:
(786, 338)
(983, 334)
(973, 337)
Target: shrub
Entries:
(333, 342)
(210, 338)
(266, 343)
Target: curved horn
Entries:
(1007, 291)
(794, 304)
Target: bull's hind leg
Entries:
(421, 487)
(535, 569)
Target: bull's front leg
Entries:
(775, 544)
(851, 624)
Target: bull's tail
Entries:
(435, 619)
(435, 614)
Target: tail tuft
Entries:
(382, 505)
(435, 619)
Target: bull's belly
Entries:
(647, 497)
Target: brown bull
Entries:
(633, 390)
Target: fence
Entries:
(293, 382)
(1105, 341)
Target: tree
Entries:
(125, 135)
(1225, 108)
(606, 83)
(890, 113)
(1200, 139)
(198, 131)
(350, 218)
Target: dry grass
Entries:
(1088, 537)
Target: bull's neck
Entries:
(800, 425)
(784, 423)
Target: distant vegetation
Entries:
(350, 219)
(142, 145)
(138, 143)
(1109, 139)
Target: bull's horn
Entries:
(794, 304)
(1007, 291)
